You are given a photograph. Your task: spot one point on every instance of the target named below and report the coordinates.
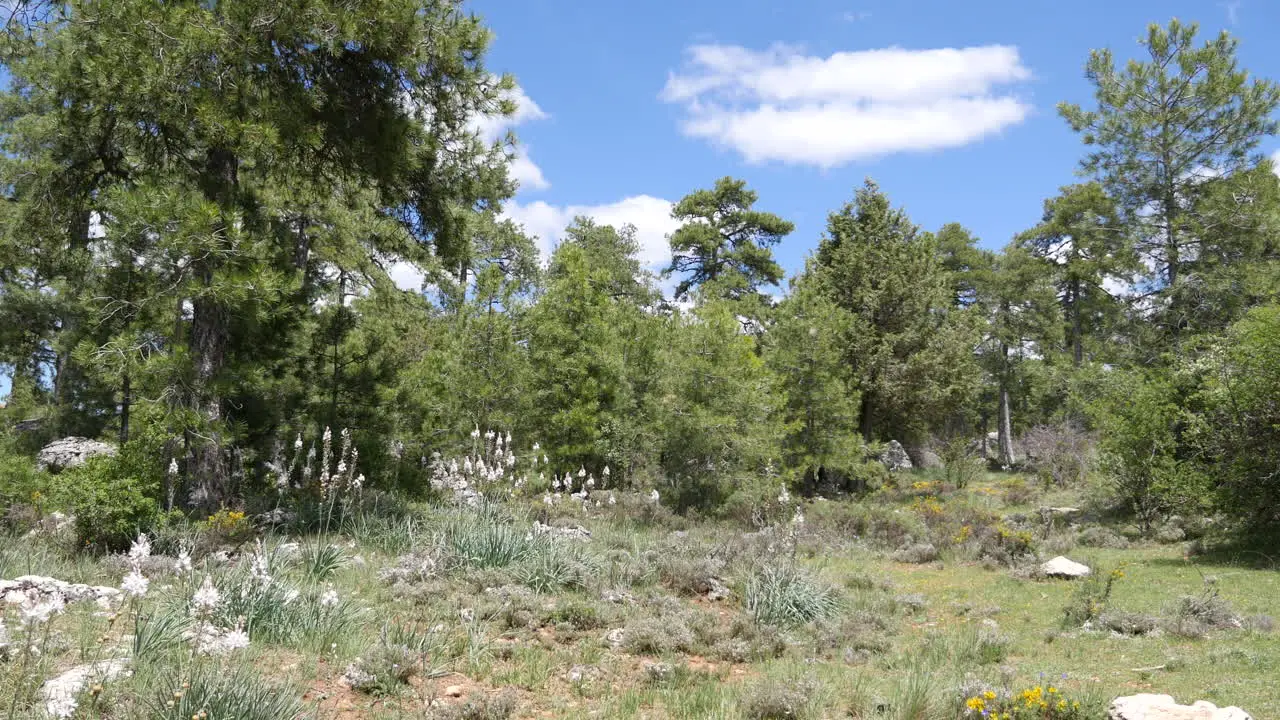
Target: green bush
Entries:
(783, 595)
(114, 497)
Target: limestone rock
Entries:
(59, 694)
(895, 457)
(453, 691)
(70, 452)
(1064, 568)
(576, 532)
(45, 587)
(1163, 707)
(924, 458)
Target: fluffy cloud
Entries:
(650, 215)
(782, 105)
(492, 127)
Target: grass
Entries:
(498, 622)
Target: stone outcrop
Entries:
(45, 587)
(895, 457)
(70, 452)
(1164, 707)
(1061, 567)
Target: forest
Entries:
(202, 206)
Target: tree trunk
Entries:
(1077, 341)
(210, 337)
(1005, 453)
(126, 399)
(865, 420)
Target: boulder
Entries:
(1163, 707)
(12, 591)
(1063, 568)
(60, 693)
(924, 458)
(70, 452)
(895, 457)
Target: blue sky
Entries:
(634, 104)
(627, 105)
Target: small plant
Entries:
(780, 699)
(227, 526)
(656, 636)
(784, 595)
(1090, 598)
(216, 691)
(1061, 454)
(490, 706)
(961, 462)
(917, 553)
(383, 669)
(1034, 703)
(1102, 537)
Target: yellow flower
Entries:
(1052, 689)
(989, 695)
(976, 704)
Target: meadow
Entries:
(919, 601)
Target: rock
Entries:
(70, 452)
(1064, 568)
(59, 694)
(45, 587)
(895, 457)
(717, 590)
(29, 425)
(616, 637)
(1163, 707)
(924, 458)
(453, 691)
(576, 532)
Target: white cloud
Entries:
(406, 275)
(492, 128)
(650, 215)
(780, 104)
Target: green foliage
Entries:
(219, 692)
(907, 355)
(719, 424)
(723, 244)
(1240, 424)
(786, 595)
(1141, 425)
(114, 498)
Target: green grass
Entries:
(838, 624)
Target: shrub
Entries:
(1127, 623)
(1102, 537)
(1005, 546)
(227, 527)
(879, 526)
(784, 595)
(690, 576)
(1090, 598)
(780, 699)
(916, 553)
(961, 461)
(1206, 610)
(1017, 492)
(1034, 703)
(490, 706)
(383, 668)
(219, 692)
(113, 499)
(1060, 454)
(655, 636)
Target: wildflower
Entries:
(499, 443)
(544, 459)
(536, 448)
(582, 472)
(36, 612)
(488, 435)
(798, 518)
(606, 472)
(135, 583)
(183, 563)
(612, 500)
(297, 443)
(508, 438)
(235, 639)
(258, 567)
(329, 598)
(653, 496)
(547, 499)
(358, 483)
(975, 703)
(207, 597)
(475, 433)
(591, 481)
(140, 550)
(173, 467)
(784, 496)
(555, 483)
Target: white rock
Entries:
(70, 452)
(1163, 707)
(60, 693)
(1064, 568)
(47, 586)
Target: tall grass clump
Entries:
(218, 691)
(785, 595)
